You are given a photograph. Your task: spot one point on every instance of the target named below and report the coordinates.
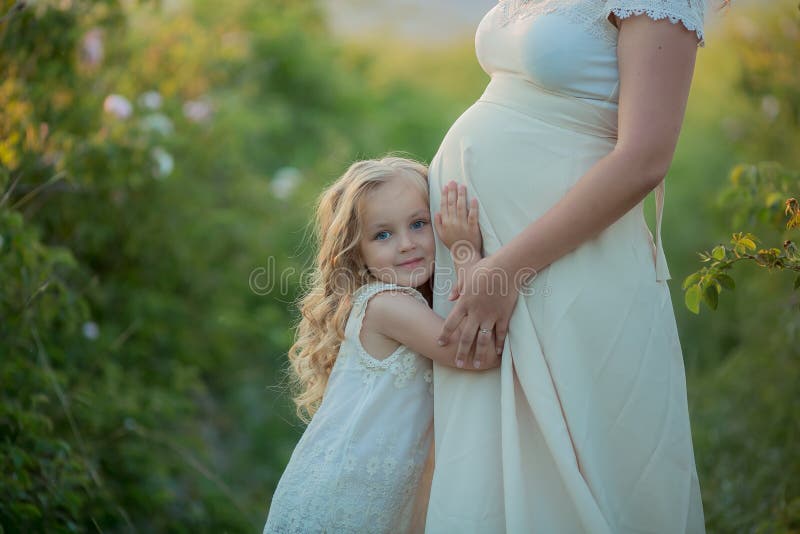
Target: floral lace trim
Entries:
(656, 14)
(403, 366)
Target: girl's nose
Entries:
(406, 242)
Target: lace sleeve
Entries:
(690, 13)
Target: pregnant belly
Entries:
(514, 163)
(518, 166)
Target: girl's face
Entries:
(397, 244)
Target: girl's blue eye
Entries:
(416, 225)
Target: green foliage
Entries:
(745, 401)
(136, 358)
(754, 197)
(766, 47)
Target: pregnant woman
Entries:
(585, 426)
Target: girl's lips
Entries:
(412, 263)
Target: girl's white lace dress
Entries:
(357, 465)
(585, 426)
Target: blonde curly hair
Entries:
(337, 272)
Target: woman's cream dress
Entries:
(585, 426)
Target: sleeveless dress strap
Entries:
(662, 271)
(365, 292)
(368, 362)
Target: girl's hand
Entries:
(459, 230)
(457, 223)
(487, 300)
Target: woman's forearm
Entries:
(611, 188)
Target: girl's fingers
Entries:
(451, 201)
(472, 218)
(461, 202)
(443, 200)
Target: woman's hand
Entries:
(487, 299)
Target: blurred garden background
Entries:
(158, 164)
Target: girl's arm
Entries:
(403, 318)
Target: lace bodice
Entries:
(569, 46)
(356, 467)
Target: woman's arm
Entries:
(656, 62)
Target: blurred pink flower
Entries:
(118, 105)
(92, 47)
(197, 110)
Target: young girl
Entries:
(363, 352)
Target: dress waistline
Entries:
(592, 117)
